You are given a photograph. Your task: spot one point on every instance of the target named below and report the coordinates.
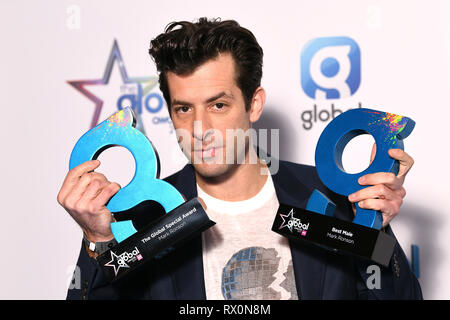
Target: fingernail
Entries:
(351, 197)
(361, 180)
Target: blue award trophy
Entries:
(137, 245)
(316, 223)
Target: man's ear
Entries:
(257, 104)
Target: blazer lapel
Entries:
(308, 262)
(188, 276)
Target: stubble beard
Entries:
(219, 169)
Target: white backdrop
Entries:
(405, 69)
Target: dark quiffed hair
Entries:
(184, 46)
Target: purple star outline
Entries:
(113, 56)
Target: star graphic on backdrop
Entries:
(285, 222)
(116, 263)
(148, 83)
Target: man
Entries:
(210, 74)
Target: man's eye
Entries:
(183, 109)
(219, 105)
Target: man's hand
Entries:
(386, 190)
(84, 195)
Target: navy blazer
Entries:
(319, 273)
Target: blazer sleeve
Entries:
(397, 281)
(88, 281)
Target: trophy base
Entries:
(334, 234)
(167, 232)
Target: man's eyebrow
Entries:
(222, 94)
(180, 103)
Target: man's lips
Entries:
(207, 152)
(206, 149)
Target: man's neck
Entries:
(241, 183)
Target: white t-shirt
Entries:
(243, 258)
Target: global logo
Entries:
(291, 223)
(122, 260)
(135, 92)
(330, 68)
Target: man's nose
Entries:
(201, 125)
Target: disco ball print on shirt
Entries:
(289, 282)
(250, 272)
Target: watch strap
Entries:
(99, 247)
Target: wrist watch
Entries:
(99, 247)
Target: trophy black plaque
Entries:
(158, 237)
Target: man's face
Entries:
(205, 105)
